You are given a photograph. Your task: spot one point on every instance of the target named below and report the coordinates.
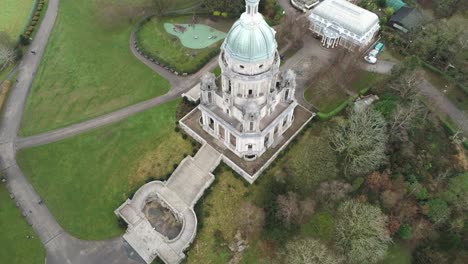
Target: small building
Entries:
(395, 4)
(406, 18)
(339, 22)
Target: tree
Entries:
(309, 251)
(234, 7)
(160, 7)
(457, 192)
(446, 8)
(330, 192)
(440, 42)
(313, 162)
(360, 232)
(403, 119)
(7, 51)
(252, 220)
(288, 208)
(377, 181)
(438, 211)
(407, 84)
(292, 29)
(362, 141)
(405, 232)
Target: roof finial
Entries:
(251, 7)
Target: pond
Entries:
(162, 219)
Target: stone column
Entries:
(226, 136)
(216, 129)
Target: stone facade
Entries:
(252, 103)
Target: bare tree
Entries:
(252, 219)
(306, 209)
(407, 84)
(288, 208)
(330, 192)
(310, 251)
(293, 29)
(161, 7)
(7, 51)
(362, 140)
(403, 118)
(361, 232)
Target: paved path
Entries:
(440, 101)
(60, 247)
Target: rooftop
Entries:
(347, 15)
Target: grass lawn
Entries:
(168, 49)
(326, 95)
(397, 254)
(87, 69)
(83, 179)
(14, 15)
(365, 80)
(219, 214)
(15, 246)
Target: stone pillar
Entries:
(216, 129)
(226, 136)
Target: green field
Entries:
(167, 48)
(15, 246)
(326, 95)
(88, 69)
(85, 178)
(14, 15)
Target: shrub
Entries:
(33, 23)
(39, 8)
(35, 18)
(30, 28)
(357, 183)
(216, 13)
(37, 13)
(24, 39)
(405, 232)
(457, 191)
(224, 14)
(438, 211)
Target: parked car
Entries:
(372, 56)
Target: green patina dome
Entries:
(250, 39)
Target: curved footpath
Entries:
(179, 85)
(61, 247)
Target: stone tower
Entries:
(252, 103)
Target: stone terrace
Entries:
(249, 170)
(179, 194)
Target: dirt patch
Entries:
(162, 219)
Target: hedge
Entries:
(33, 19)
(337, 110)
(445, 75)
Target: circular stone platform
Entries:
(162, 219)
(195, 37)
